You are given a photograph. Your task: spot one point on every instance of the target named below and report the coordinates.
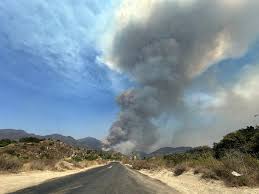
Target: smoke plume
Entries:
(163, 46)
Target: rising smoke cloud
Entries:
(229, 108)
(165, 45)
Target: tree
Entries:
(244, 140)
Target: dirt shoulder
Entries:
(13, 182)
(151, 183)
(190, 183)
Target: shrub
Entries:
(199, 170)
(243, 140)
(222, 169)
(174, 159)
(244, 164)
(10, 151)
(42, 148)
(5, 142)
(30, 140)
(35, 165)
(77, 158)
(180, 169)
(143, 164)
(201, 150)
(237, 151)
(209, 174)
(91, 157)
(51, 143)
(10, 164)
(194, 157)
(41, 165)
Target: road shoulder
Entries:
(152, 183)
(190, 183)
(14, 182)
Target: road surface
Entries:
(110, 179)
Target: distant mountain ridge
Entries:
(88, 142)
(15, 134)
(67, 139)
(169, 150)
(91, 143)
(161, 152)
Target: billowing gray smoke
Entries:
(165, 51)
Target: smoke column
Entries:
(163, 46)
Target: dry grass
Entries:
(64, 165)
(180, 169)
(222, 169)
(209, 167)
(34, 165)
(143, 164)
(40, 165)
(10, 164)
(206, 173)
(47, 155)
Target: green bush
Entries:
(195, 156)
(244, 140)
(5, 142)
(91, 157)
(30, 140)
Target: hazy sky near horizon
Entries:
(53, 80)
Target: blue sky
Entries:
(50, 80)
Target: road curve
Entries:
(114, 178)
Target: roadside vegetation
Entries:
(235, 160)
(5, 142)
(31, 153)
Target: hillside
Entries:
(15, 134)
(35, 154)
(88, 142)
(67, 139)
(91, 143)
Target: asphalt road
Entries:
(110, 179)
